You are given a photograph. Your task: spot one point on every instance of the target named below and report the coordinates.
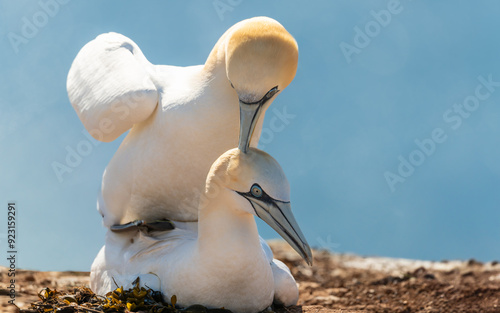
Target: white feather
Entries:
(109, 86)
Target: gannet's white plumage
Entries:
(180, 118)
(221, 260)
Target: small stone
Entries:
(306, 271)
(339, 291)
(429, 276)
(473, 262)
(327, 300)
(29, 278)
(494, 277)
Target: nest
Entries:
(137, 299)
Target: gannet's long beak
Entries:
(249, 115)
(278, 215)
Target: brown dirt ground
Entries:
(339, 283)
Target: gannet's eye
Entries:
(274, 89)
(256, 191)
(271, 92)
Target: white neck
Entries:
(217, 57)
(228, 255)
(224, 231)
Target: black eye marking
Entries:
(257, 192)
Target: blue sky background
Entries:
(353, 120)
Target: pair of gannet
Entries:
(223, 262)
(181, 120)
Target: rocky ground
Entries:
(339, 283)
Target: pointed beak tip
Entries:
(279, 216)
(309, 257)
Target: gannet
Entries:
(181, 119)
(220, 261)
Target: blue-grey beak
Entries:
(249, 115)
(278, 214)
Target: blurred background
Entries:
(391, 141)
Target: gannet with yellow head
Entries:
(180, 118)
(221, 262)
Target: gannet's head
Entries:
(260, 55)
(259, 186)
(261, 60)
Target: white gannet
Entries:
(220, 260)
(181, 119)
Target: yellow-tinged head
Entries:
(239, 171)
(260, 54)
(257, 185)
(260, 59)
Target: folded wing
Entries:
(110, 87)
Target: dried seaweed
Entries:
(137, 299)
